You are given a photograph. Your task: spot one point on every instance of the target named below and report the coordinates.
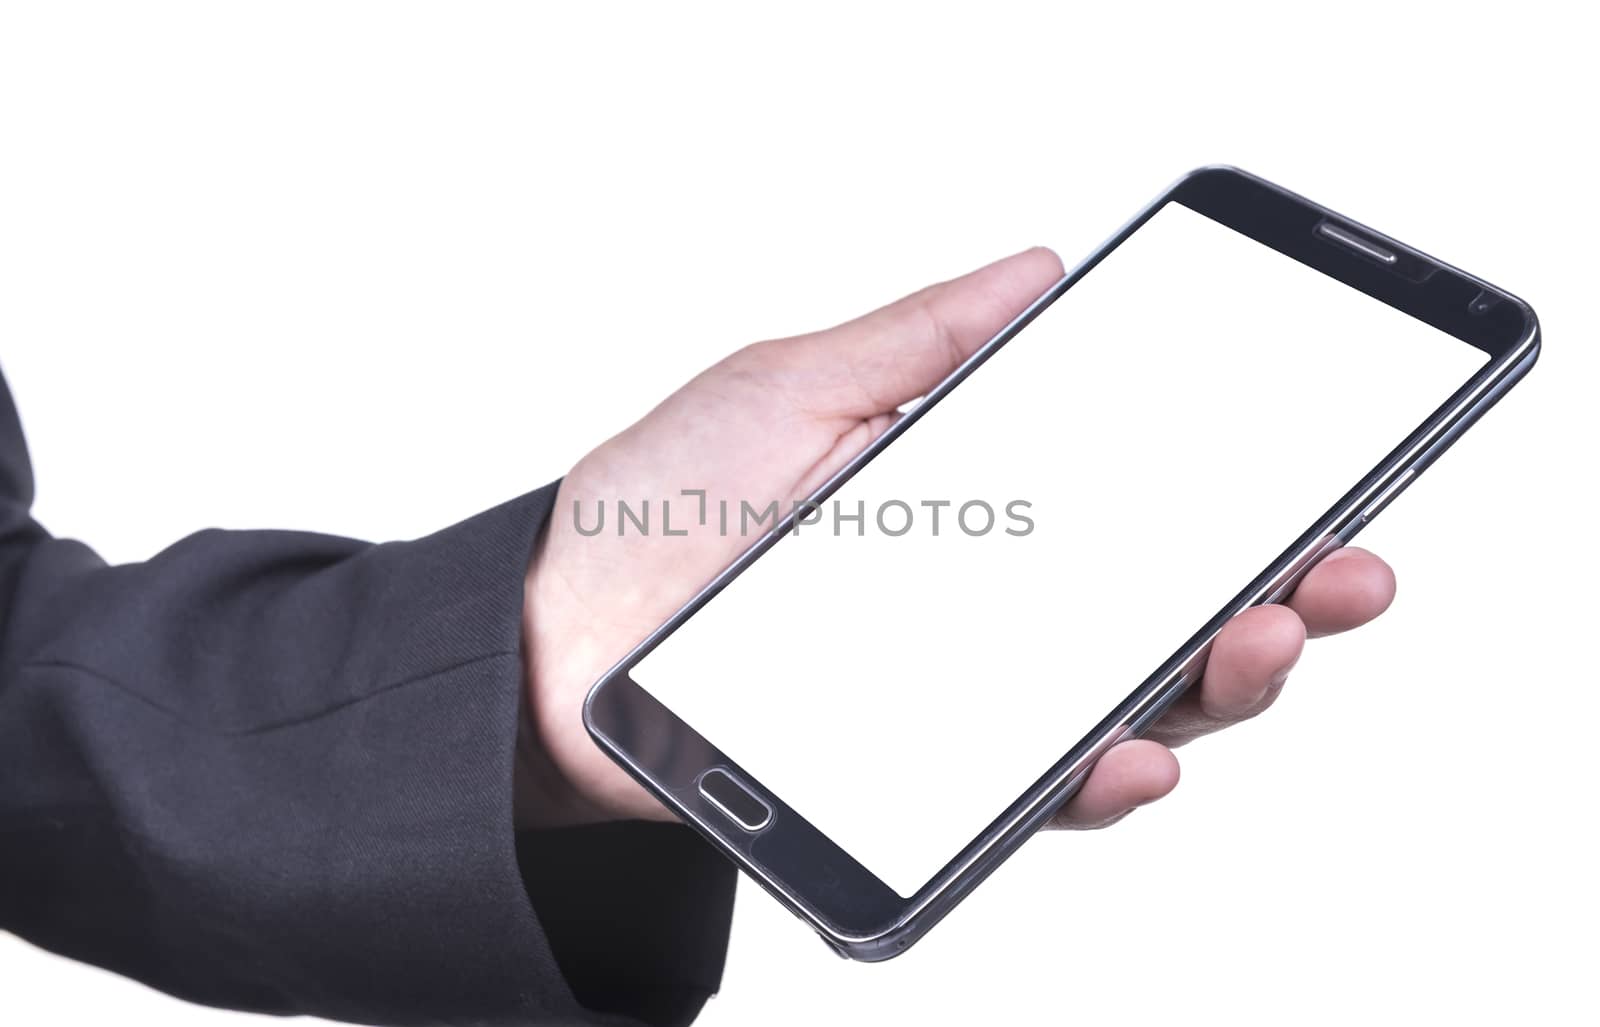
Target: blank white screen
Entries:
(1175, 421)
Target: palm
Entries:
(740, 434)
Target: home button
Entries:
(736, 801)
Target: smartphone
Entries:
(887, 693)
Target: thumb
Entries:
(893, 355)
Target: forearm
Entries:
(274, 771)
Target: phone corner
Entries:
(1534, 335)
(1214, 170)
(589, 714)
(1524, 353)
(876, 947)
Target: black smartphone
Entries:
(886, 694)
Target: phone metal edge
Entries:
(999, 841)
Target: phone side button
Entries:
(1387, 495)
(738, 803)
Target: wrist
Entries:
(541, 795)
(564, 777)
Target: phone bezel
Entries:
(855, 912)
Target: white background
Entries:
(220, 223)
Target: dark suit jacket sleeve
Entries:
(273, 771)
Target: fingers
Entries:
(887, 358)
(1249, 662)
(1252, 655)
(1129, 775)
(1345, 590)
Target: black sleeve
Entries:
(273, 771)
